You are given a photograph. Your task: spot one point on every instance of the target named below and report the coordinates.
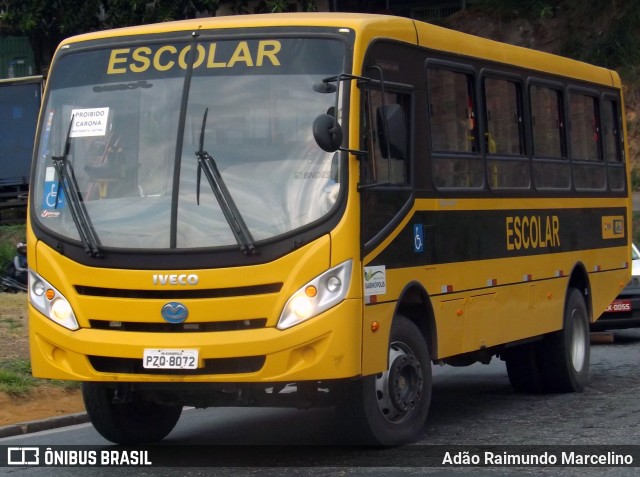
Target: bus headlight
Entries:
(320, 294)
(50, 302)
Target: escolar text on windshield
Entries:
(167, 57)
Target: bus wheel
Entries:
(391, 408)
(130, 423)
(558, 363)
(565, 354)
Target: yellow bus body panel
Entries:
(480, 304)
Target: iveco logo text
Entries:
(182, 279)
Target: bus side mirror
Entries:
(327, 132)
(392, 131)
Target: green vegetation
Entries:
(15, 377)
(11, 323)
(17, 381)
(15, 367)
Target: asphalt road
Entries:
(472, 408)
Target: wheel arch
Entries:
(415, 304)
(579, 279)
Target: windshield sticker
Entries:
(89, 122)
(51, 197)
(375, 280)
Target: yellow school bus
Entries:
(311, 210)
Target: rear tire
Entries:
(133, 422)
(560, 362)
(566, 353)
(391, 408)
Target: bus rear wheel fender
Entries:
(390, 408)
(134, 421)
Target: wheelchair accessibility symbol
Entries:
(52, 198)
(418, 238)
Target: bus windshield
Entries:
(132, 118)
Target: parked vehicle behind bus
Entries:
(624, 311)
(227, 210)
(19, 105)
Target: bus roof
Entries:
(369, 27)
(355, 21)
(443, 39)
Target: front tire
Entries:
(391, 408)
(133, 422)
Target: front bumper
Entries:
(326, 347)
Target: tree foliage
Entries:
(120, 13)
(47, 22)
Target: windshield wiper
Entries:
(79, 214)
(237, 224)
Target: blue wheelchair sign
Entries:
(418, 238)
(52, 197)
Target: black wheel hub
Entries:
(405, 382)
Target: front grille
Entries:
(249, 364)
(235, 325)
(182, 293)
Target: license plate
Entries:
(618, 306)
(170, 358)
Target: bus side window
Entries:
(548, 124)
(507, 165)
(453, 129)
(452, 112)
(611, 136)
(387, 163)
(586, 140)
(551, 169)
